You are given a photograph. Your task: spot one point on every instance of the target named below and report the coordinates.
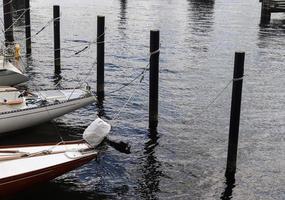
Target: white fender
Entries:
(95, 133)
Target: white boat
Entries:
(24, 166)
(9, 74)
(22, 109)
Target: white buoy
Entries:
(95, 133)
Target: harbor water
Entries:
(186, 159)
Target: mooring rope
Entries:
(81, 81)
(138, 76)
(219, 94)
(211, 102)
(90, 43)
(130, 82)
(6, 3)
(15, 21)
(16, 11)
(238, 79)
(116, 115)
(40, 30)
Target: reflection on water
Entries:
(200, 23)
(150, 168)
(60, 189)
(230, 184)
(123, 12)
(202, 10)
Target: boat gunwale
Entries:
(81, 141)
(48, 170)
(87, 157)
(49, 104)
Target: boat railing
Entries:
(8, 56)
(43, 105)
(9, 52)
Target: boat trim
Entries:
(43, 106)
(43, 144)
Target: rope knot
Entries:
(154, 52)
(238, 79)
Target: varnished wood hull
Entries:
(12, 185)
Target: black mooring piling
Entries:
(56, 31)
(100, 56)
(153, 79)
(235, 114)
(8, 21)
(28, 28)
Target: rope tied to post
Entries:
(154, 52)
(8, 29)
(16, 11)
(5, 4)
(140, 75)
(90, 43)
(238, 79)
(103, 34)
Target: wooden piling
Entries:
(28, 28)
(153, 79)
(100, 56)
(56, 29)
(8, 22)
(235, 114)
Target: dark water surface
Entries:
(187, 158)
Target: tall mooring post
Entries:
(100, 56)
(8, 21)
(265, 12)
(56, 31)
(28, 28)
(235, 114)
(153, 79)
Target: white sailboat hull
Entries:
(10, 74)
(24, 118)
(10, 77)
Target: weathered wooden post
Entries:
(265, 12)
(56, 30)
(153, 79)
(28, 28)
(235, 114)
(8, 21)
(100, 56)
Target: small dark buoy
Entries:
(120, 146)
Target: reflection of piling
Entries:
(100, 56)
(28, 28)
(265, 12)
(8, 21)
(270, 6)
(56, 31)
(235, 114)
(153, 79)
